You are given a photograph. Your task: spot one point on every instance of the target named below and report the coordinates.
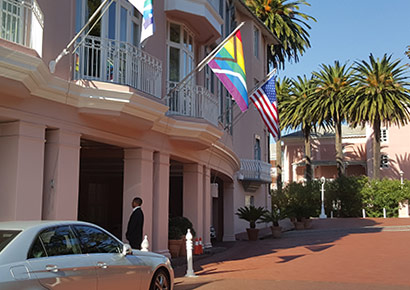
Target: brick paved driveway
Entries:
(335, 254)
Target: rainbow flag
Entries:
(229, 66)
(146, 9)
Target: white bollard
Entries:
(145, 244)
(384, 212)
(331, 214)
(190, 268)
(364, 213)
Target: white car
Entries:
(75, 255)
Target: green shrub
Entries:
(179, 226)
(385, 193)
(298, 200)
(343, 196)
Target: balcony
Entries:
(192, 101)
(22, 22)
(106, 60)
(253, 173)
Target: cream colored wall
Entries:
(59, 29)
(397, 149)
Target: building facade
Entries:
(357, 151)
(109, 125)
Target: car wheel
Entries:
(160, 281)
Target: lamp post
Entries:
(322, 211)
(401, 176)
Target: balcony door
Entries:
(121, 34)
(110, 43)
(181, 60)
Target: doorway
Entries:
(101, 185)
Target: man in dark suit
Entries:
(135, 225)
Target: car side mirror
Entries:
(126, 249)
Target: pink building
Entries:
(80, 143)
(356, 143)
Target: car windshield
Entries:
(6, 237)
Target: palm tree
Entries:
(333, 86)
(282, 93)
(296, 114)
(381, 96)
(284, 19)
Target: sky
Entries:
(349, 30)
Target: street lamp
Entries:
(322, 211)
(401, 176)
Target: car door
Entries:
(114, 270)
(55, 258)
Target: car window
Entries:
(60, 241)
(37, 249)
(94, 240)
(6, 237)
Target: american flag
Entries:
(265, 101)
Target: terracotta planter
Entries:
(308, 223)
(174, 247)
(299, 225)
(276, 232)
(252, 234)
(182, 249)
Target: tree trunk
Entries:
(279, 164)
(308, 171)
(376, 149)
(339, 150)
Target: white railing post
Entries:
(190, 268)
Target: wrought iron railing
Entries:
(22, 22)
(255, 170)
(192, 101)
(118, 62)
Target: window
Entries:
(180, 52)
(94, 240)
(383, 135)
(256, 42)
(384, 161)
(249, 200)
(37, 249)
(257, 152)
(6, 237)
(56, 241)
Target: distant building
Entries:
(356, 143)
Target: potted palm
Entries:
(251, 214)
(273, 217)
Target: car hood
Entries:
(148, 254)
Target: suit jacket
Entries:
(134, 229)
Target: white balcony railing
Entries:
(22, 22)
(192, 101)
(118, 62)
(255, 170)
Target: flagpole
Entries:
(205, 61)
(53, 63)
(259, 84)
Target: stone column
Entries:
(138, 181)
(193, 196)
(61, 175)
(159, 240)
(207, 204)
(21, 170)
(229, 212)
